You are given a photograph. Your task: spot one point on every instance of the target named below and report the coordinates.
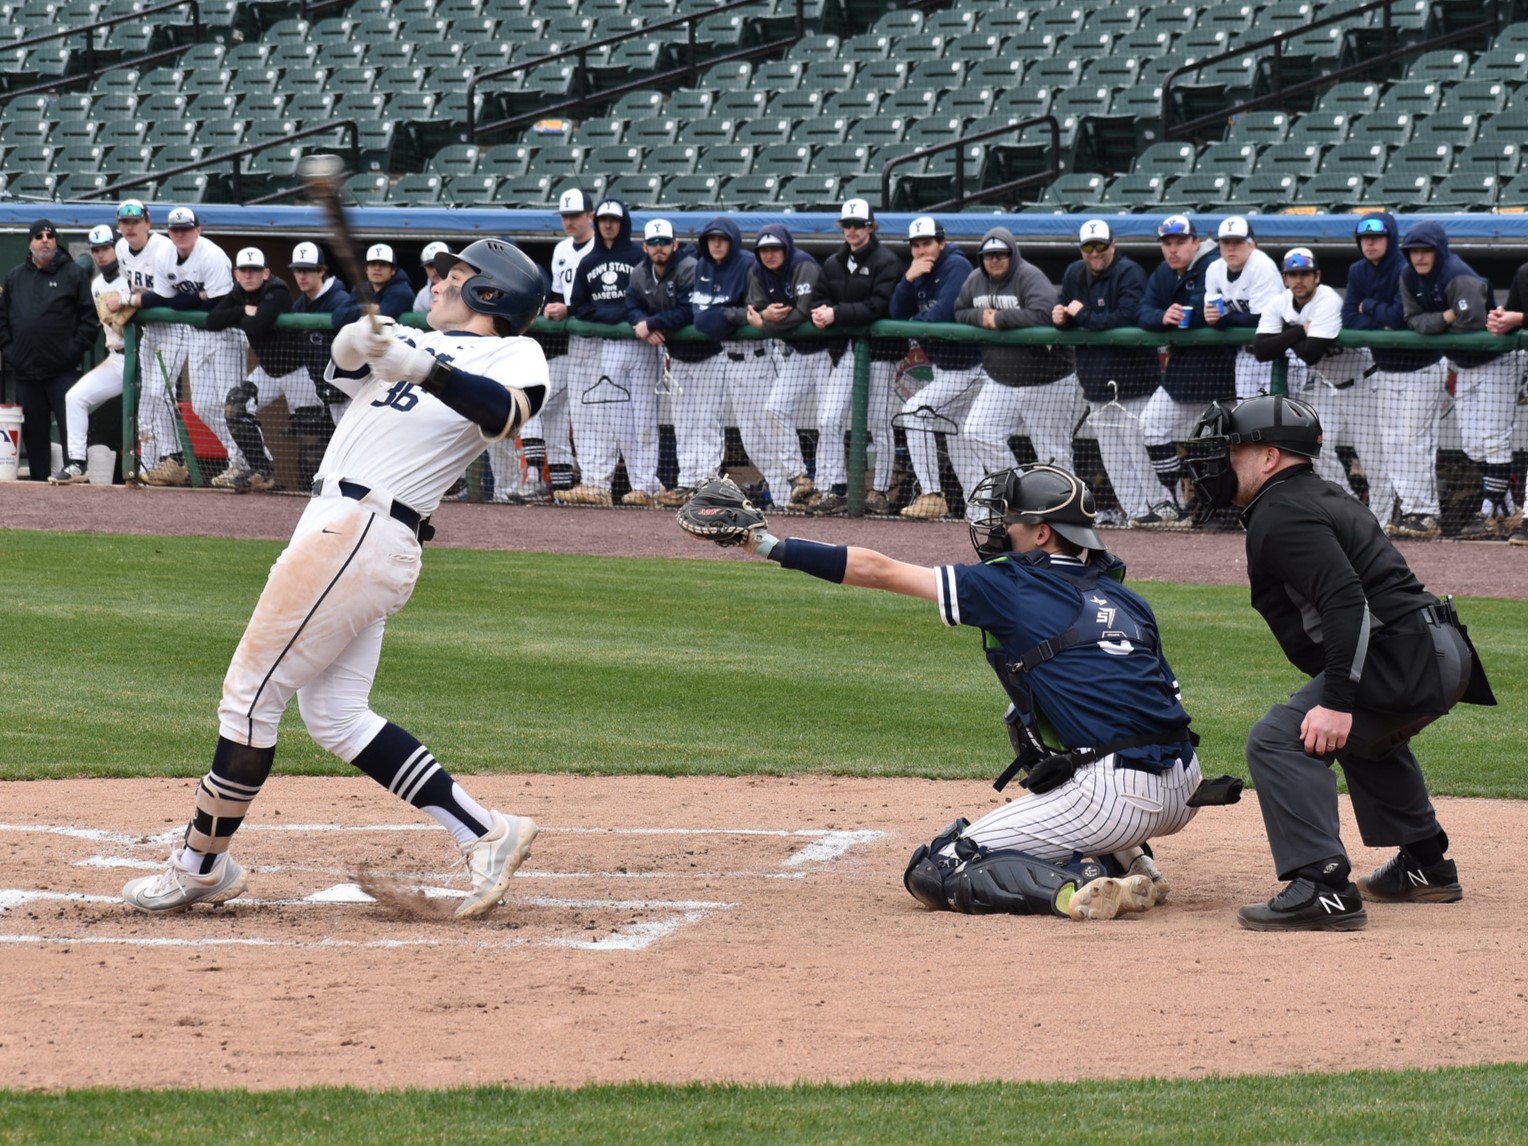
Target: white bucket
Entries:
(100, 464)
(10, 441)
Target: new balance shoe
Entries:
(229, 478)
(72, 474)
(1403, 880)
(493, 860)
(927, 507)
(1306, 905)
(176, 889)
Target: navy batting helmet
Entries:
(1031, 495)
(507, 284)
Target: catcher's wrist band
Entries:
(826, 561)
(766, 545)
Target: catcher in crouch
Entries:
(1081, 661)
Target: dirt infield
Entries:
(703, 929)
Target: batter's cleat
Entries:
(1306, 905)
(1415, 527)
(493, 860)
(72, 474)
(639, 498)
(1403, 880)
(582, 495)
(802, 489)
(176, 889)
(927, 507)
(167, 472)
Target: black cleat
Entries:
(1307, 906)
(1403, 880)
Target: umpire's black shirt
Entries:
(1338, 596)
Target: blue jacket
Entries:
(1193, 373)
(719, 302)
(316, 343)
(1452, 284)
(1373, 300)
(396, 297)
(1110, 301)
(600, 282)
(931, 298)
(663, 302)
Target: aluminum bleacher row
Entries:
(801, 132)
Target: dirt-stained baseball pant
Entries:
(941, 408)
(696, 402)
(615, 414)
(1100, 810)
(1046, 414)
(835, 394)
(100, 384)
(1116, 426)
(1412, 402)
(1485, 402)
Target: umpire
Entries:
(1385, 659)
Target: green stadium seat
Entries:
(877, 130)
(1400, 191)
(823, 131)
(599, 131)
(505, 160)
(1410, 21)
(223, 134)
(1167, 158)
(1005, 21)
(615, 159)
(418, 190)
(250, 80)
(867, 187)
(1061, 21)
(832, 76)
(675, 158)
(887, 76)
(1075, 192)
(690, 191)
(1515, 193)
(1056, 72)
(798, 105)
(422, 30)
(1234, 159)
(1497, 157)
(1393, 128)
(1139, 191)
(739, 104)
(786, 159)
(817, 46)
(365, 189)
(1266, 191)
(33, 185)
(865, 48)
(636, 191)
(559, 159)
(711, 129)
(771, 129)
(1351, 98)
(1174, 18)
(842, 159)
(485, 55)
(939, 74)
(1286, 16)
(177, 155)
(1117, 72)
(246, 55)
(729, 159)
(32, 156)
(1325, 128)
(967, 103)
(688, 103)
(455, 159)
(933, 130)
(1146, 43)
(1434, 159)
(640, 104)
(1231, 18)
(728, 75)
(855, 103)
(293, 30)
(975, 47)
(951, 21)
(914, 103)
(652, 130)
(1476, 97)
(78, 185)
(1297, 159)
(128, 160)
(1332, 190)
(310, 107)
(1455, 129)
(1360, 157)
(1207, 192)
(779, 75)
(753, 191)
(1469, 191)
(472, 190)
(1448, 65)
(203, 107)
(335, 54)
(899, 22)
(1414, 97)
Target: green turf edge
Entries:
(1467, 1105)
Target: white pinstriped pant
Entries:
(941, 408)
(1413, 401)
(1047, 414)
(102, 383)
(1101, 809)
(614, 410)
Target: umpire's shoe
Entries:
(176, 889)
(493, 860)
(1306, 905)
(1403, 880)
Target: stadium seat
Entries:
(1454, 128)
(729, 159)
(640, 104)
(505, 160)
(1400, 191)
(854, 104)
(1075, 192)
(600, 131)
(637, 191)
(1327, 129)
(652, 130)
(479, 190)
(1175, 158)
(1507, 65)
(1448, 65)
(366, 189)
(1476, 97)
(752, 191)
(976, 47)
(1261, 127)
(817, 46)
(1231, 17)
(717, 128)
(1497, 157)
(1393, 128)
(418, 190)
(558, 160)
(687, 192)
(1468, 191)
(686, 103)
(1297, 159)
(530, 190)
(1352, 98)
(865, 48)
(842, 160)
(1360, 157)
(779, 75)
(1414, 97)
(786, 159)
(1266, 191)
(1433, 159)
(798, 105)
(78, 185)
(616, 159)
(765, 131)
(1234, 159)
(675, 158)
(32, 185)
(913, 103)
(1332, 190)
(1139, 191)
(831, 76)
(1202, 192)
(886, 76)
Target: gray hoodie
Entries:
(1022, 297)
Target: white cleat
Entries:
(176, 889)
(493, 860)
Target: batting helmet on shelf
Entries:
(1030, 495)
(507, 284)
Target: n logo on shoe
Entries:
(1331, 906)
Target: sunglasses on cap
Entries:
(1095, 248)
(1299, 263)
(1371, 227)
(45, 233)
(660, 241)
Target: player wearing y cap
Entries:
(104, 381)
(139, 250)
(1238, 288)
(425, 404)
(426, 293)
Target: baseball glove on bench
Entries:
(720, 512)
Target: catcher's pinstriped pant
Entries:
(102, 383)
(1046, 414)
(696, 404)
(941, 408)
(614, 412)
(1101, 809)
(1485, 402)
(1116, 426)
(1413, 401)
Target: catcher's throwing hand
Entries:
(720, 512)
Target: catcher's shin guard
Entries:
(927, 870)
(1014, 883)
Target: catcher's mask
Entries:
(1030, 495)
(1267, 420)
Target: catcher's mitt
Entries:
(720, 512)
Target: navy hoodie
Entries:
(1373, 300)
(1110, 301)
(719, 301)
(792, 285)
(931, 298)
(600, 282)
(1452, 284)
(1193, 373)
(663, 302)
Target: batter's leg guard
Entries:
(1012, 882)
(224, 796)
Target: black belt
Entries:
(419, 526)
(1442, 613)
(739, 355)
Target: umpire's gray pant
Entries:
(1297, 792)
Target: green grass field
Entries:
(114, 653)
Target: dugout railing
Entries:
(883, 339)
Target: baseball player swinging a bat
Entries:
(1080, 659)
(424, 404)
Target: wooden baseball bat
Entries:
(323, 177)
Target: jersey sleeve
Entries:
(1271, 321)
(967, 595)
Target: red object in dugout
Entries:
(204, 443)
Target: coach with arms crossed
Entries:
(1385, 659)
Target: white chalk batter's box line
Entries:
(826, 846)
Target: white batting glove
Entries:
(352, 344)
(400, 362)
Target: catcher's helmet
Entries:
(507, 284)
(1030, 495)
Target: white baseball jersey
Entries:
(1252, 291)
(206, 268)
(1324, 314)
(98, 287)
(425, 296)
(138, 266)
(565, 259)
(398, 437)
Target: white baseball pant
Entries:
(159, 342)
(796, 377)
(835, 395)
(1412, 401)
(1165, 420)
(941, 408)
(215, 361)
(696, 403)
(750, 373)
(615, 414)
(1485, 402)
(1116, 426)
(1045, 413)
(551, 423)
(1350, 414)
(100, 384)
(1101, 809)
(1252, 377)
